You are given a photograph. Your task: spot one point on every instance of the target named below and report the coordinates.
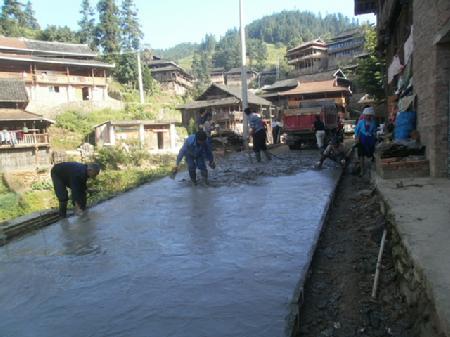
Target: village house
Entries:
(414, 37)
(288, 93)
(217, 75)
(54, 73)
(344, 48)
(156, 137)
(337, 89)
(171, 76)
(24, 139)
(233, 77)
(309, 57)
(224, 103)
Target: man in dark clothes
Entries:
(74, 176)
(319, 129)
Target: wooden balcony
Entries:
(70, 79)
(28, 140)
(55, 78)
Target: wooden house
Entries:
(156, 137)
(233, 77)
(171, 76)
(54, 73)
(344, 48)
(24, 139)
(217, 75)
(309, 57)
(224, 103)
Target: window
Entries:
(54, 89)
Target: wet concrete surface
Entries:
(169, 259)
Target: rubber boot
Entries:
(258, 156)
(205, 177)
(193, 176)
(268, 155)
(63, 209)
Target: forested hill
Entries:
(287, 28)
(294, 27)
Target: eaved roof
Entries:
(21, 115)
(236, 92)
(234, 98)
(317, 42)
(328, 86)
(45, 47)
(238, 71)
(55, 60)
(13, 91)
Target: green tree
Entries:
(108, 30)
(87, 24)
(58, 34)
(228, 51)
(126, 69)
(371, 69)
(130, 28)
(12, 18)
(30, 18)
(257, 54)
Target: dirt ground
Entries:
(337, 299)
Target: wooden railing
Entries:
(70, 79)
(28, 140)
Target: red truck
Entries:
(299, 122)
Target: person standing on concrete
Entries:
(196, 150)
(365, 136)
(258, 132)
(319, 130)
(74, 176)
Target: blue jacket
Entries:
(194, 150)
(362, 130)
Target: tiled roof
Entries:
(317, 42)
(13, 90)
(236, 92)
(55, 60)
(45, 47)
(316, 87)
(20, 115)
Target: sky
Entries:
(166, 23)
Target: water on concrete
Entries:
(168, 259)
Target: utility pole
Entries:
(243, 74)
(141, 86)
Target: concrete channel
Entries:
(168, 259)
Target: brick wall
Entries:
(431, 81)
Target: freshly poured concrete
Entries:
(169, 260)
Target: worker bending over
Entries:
(74, 176)
(258, 132)
(335, 151)
(196, 150)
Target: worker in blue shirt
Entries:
(258, 132)
(196, 150)
(74, 176)
(365, 136)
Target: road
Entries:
(169, 259)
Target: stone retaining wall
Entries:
(412, 282)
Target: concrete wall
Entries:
(431, 81)
(21, 158)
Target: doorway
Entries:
(160, 140)
(85, 93)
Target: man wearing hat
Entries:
(365, 136)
